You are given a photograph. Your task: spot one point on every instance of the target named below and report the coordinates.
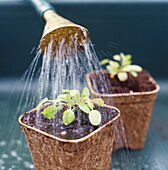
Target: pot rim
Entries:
(73, 140)
(120, 94)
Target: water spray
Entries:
(58, 29)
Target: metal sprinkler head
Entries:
(59, 29)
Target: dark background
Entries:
(139, 28)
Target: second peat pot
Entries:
(133, 96)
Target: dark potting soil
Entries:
(102, 83)
(79, 128)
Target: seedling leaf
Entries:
(68, 97)
(105, 61)
(117, 57)
(65, 91)
(68, 117)
(91, 105)
(76, 98)
(114, 64)
(112, 70)
(135, 74)
(130, 68)
(85, 92)
(62, 97)
(84, 108)
(49, 111)
(73, 92)
(95, 117)
(99, 101)
(122, 76)
(128, 56)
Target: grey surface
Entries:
(14, 151)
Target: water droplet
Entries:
(13, 153)
(28, 164)
(146, 166)
(4, 156)
(116, 163)
(31, 166)
(19, 142)
(2, 143)
(1, 161)
(19, 158)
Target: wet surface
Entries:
(14, 153)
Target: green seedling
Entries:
(121, 66)
(71, 101)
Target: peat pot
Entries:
(135, 108)
(90, 152)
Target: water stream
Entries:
(46, 77)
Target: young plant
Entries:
(121, 66)
(71, 101)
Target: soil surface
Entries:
(102, 83)
(79, 128)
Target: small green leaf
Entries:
(125, 60)
(65, 90)
(114, 64)
(76, 98)
(122, 57)
(68, 117)
(49, 111)
(73, 92)
(105, 61)
(99, 101)
(112, 70)
(62, 97)
(85, 92)
(72, 102)
(60, 107)
(68, 97)
(117, 57)
(95, 117)
(136, 68)
(130, 68)
(84, 108)
(128, 57)
(122, 76)
(135, 74)
(91, 105)
(126, 68)
(43, 101)
(86, 99)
